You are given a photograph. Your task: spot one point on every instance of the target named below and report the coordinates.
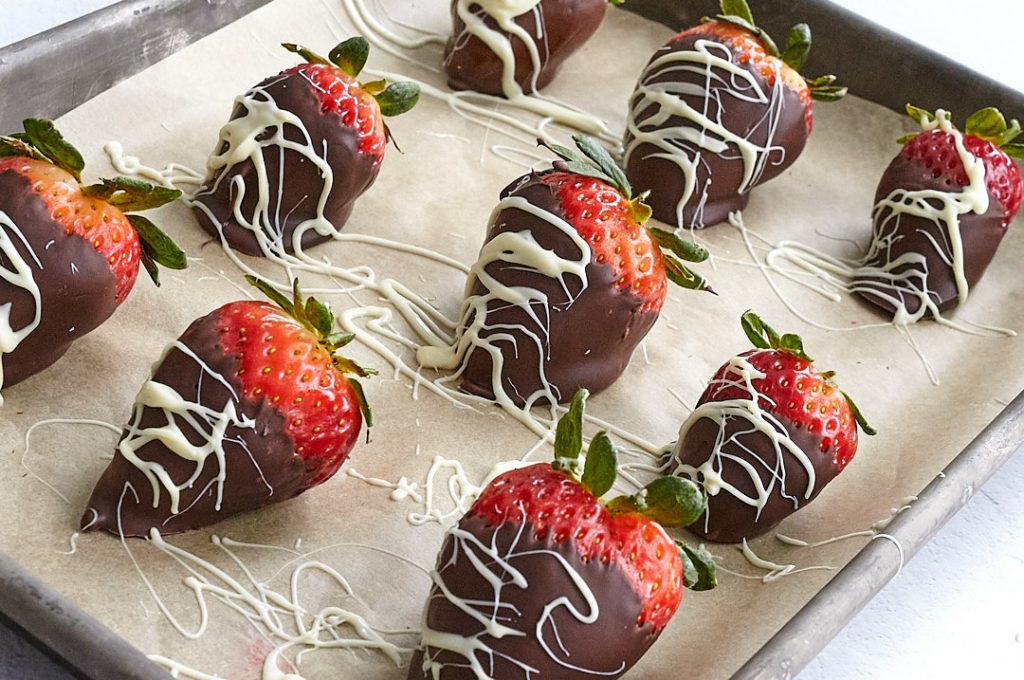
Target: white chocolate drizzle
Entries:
(15, 271)
(183, 417)
(58, 421)
(685, 145)
(741, 373)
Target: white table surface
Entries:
(957, 610)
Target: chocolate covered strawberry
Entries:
(718, 110)
(69, 253)
(252, 405)
(768, 434)
(941, 209)
(508, 47)
(542, 579)
(568, 282)
(299, 149)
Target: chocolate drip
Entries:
(728, 519)
(606, 648)
(76, 286)
(294, 194)
(718, 175)
(269, 472)
(564, 26)
(591, 331)
(980, 235)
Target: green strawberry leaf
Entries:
(820, 81)
(320, 318)
(1013, 150)
(157, 245)
(272, 293)
(346, 365)
(920, 115)
(307, 54)
(699, 570)
(44, 136)
(12, 146)
(1011, 133)
(151, 267)
(131, 194)
(364, 406)
(739, 9)
(670, 501)
(602, 159)
(340, 339)
(794, 345)
(351, 55)
(683, 277)
(828, 94)
(760, 334)
(798, 46)
(987, 123)
(687, 250)
(374, 87)
(398, 98)
(601, 466)
(763, 336)
(569, 433)
(868, 430)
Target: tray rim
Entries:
(77, 637)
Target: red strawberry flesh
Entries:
(283, 363)
(604, 218)
(341, 95)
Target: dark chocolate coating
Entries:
(607, 648)
(565, 26)
(592, 334)
(354, 172)
(244, 487)
(981, 235)
(76, 286)
(730, 520)
(740, 115)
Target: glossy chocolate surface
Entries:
(728, 519)
(980, 234)
(294, 195)
(606, 648)
(76, 286)
(782, 123)
(564, 26)
(591, 333)
(269, 472)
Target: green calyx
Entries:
(593, 160)
(40, 140)
(670, 501)
(350, 56)
(699, 570)
(317, 318)
(763, 336)
(988, 124)
(798, 47)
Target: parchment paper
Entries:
(439, 194)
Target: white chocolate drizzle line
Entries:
(58, 421)
(209, 423)
(876, 528)
(475, 106)
(684, 145)
(496, 617)
(279, 617)
(15, 271)
(740, 374)
(180, 670)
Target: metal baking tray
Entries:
(52, 73)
